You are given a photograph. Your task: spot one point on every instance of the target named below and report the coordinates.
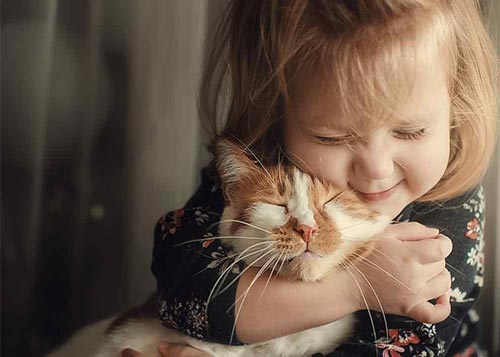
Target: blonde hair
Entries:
(365, 48)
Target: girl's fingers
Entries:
(429, 313)
(432, 250)
(437, 286)
(176, 350)
(410, 231)
(431, 270)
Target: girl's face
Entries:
(390, 165)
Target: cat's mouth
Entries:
(306, 254)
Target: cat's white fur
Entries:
(144, 335)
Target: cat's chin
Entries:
(308, 267)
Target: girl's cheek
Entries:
(334, 167)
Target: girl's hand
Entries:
(406, 269)
(168, 350)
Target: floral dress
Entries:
(192, 267)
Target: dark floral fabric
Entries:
(197, 278)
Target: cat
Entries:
(313, 228)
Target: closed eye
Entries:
(331, 199)
(334, 140)
(285, 207)
(409, 134)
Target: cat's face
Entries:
(290, 222)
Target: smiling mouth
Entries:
(377, 196)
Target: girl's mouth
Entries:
(377, 196)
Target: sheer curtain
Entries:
(99, 138)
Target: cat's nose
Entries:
(306, 231)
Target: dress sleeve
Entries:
(188, 261)
(462, 220)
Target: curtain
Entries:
(99, 138)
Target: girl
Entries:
(394, 99)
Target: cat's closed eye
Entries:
(285, 206)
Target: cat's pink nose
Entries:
(306, 231)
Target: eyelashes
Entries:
(410, 134)
(349, 139)
(344, 140)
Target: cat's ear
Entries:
(233, 165)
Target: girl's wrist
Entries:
(346, 291)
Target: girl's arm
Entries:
(408, 274)
(187, 273)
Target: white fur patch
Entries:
(144, 335)
(353, 228)
(299, 205)
(269, 216)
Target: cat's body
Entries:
(145, 334)
(312, 228)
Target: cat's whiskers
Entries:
(247, 148)
(364, 300)
(230, 267)
(365, 259)
(376, 297)
(271, 191)
(222, 290)
(270, 276)
(241, 222)
(458, 271)
(261, 271)
(285, 258)
(352, 225)
(220, 237)
(280, 179)
(374, 248)
(244, 295)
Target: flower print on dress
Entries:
(473, 229)
(188, 316)
(398, 339)
(224, 259)
(200, 217)
(474, 205)
(170, 222)
(426, 332)
(457, 295)
(207, 240)
(475, 258)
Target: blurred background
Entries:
(99, 137)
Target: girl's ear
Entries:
(233, 166)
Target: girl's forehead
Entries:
(316, 100)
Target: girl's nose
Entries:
(374, 162)
(306, 231)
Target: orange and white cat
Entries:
(304, 228)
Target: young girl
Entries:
(394, 99)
